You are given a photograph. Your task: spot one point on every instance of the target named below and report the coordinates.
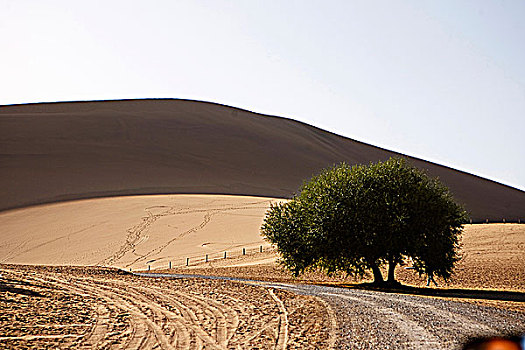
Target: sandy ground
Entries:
(151, 231)
(134, 232)
(66, 307)
(493, 258)
(93, 307)
(99, 149)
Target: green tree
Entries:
(360, 218)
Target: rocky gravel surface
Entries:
(378, 320)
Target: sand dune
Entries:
(140, 231)
(134, 231)
(69, 151)
(64, 151)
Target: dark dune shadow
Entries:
(94, 149)
(439, 292)
(13, 286)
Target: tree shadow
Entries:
(437, 292)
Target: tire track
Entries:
(262, 324)
(135, 234)
(154, 323)
(209, 213)
(130, 312)
(282, 339)
(224, 332)
(146, 332)
(147, 310)
(98, 337)
(160, 320)
(100, 329)
(98, 333)
(184, 309)
(332, 318)
(370, 320)
(419, 337)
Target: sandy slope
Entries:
(52, 152)
(137, 231)
(133, 231)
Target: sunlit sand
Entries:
(134, 231)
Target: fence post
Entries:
(149, 267)
(243, 251)
(206, 257)
(170, 264)
(187, 261)
(224, 255)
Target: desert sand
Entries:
(89, 307)
(493, 258)
(141, 232)
(98, 307)
(65, 151)
(134, 232)
(138, 185)
(66, 307)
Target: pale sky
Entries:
(439, 80)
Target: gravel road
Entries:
(377, 320)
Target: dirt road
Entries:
(64, 307)
(378, 320)
(67, 307)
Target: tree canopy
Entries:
(360, 218)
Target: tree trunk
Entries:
(378, 277)
(391, 271)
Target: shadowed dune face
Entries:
(64, 151)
